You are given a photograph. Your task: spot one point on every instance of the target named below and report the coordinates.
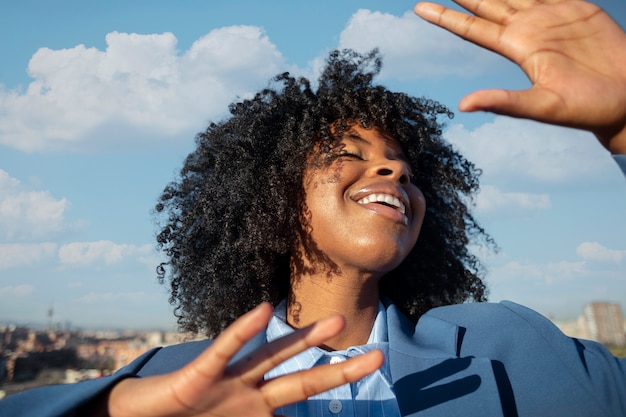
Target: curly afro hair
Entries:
(228, 223)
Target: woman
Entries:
(364, 192)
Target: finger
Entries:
(253, 367)
(537, 104)
(545, 1)
(494, 10)
(512, 4)
(474, 29)
(214, 360)
(299, 386)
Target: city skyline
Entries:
(99, 105)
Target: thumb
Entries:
(536, 104)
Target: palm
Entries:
(573, 53)
(210, 386)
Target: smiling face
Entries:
(361, 210)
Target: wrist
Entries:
(618, 144)
(614, 140)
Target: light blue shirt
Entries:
(371, 396)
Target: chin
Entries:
(384, 264)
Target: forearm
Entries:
(59, 400)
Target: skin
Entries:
(574, 55)
(208, 386)
(370, 240)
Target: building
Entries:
(605, 323)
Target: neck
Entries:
(356, 298)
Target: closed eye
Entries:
(350, 155)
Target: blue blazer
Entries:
(479, 359)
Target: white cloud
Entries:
(413, 47)
(491, 198)
(26, 213)
(17, 291)
(511, 149)
(555, 287)
(151, 259)
(140, 84)
(14, 255)
(593, 251)
(548, 273)
(103, 251)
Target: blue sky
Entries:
(100, 101)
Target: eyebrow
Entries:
(356, 138)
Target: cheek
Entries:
(321, 203)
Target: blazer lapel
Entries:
(428, 375)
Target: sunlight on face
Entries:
(361, 210)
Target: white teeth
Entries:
(384, 198)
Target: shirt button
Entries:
(335, 406)
(335, 360)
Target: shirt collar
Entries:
(278, 326)
(378, 339)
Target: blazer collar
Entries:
(430, 338)
(429, 376)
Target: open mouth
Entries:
(385, 200)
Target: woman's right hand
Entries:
(572, 51)
(209, 386)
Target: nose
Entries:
(394, 169)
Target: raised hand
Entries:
(209, 386)
(572, 51)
